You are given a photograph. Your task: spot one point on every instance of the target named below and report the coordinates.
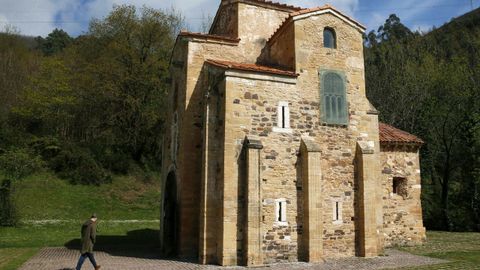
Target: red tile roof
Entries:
(251, 67)
(391, 135)
(208, 36)
(289, 19)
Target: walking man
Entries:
(89, 232)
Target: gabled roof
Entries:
(391, 135)
(251, 67)
(208, 36)
(307, 12)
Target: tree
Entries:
(17, 62)
(428, 85)
(49, 100)
(128, 55)
(54, 43)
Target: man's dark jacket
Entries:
(89, 232)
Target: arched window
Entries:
(334, 103)
(329, 38)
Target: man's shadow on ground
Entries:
(142, 243)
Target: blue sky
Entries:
(40, 17)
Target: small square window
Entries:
(399, 186)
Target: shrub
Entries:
(47, 147)
(114, 160)
(19, 163)
(78, 165)
(8, 210)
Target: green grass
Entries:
(461, 249)
(13, 258)
(65, 207)
(18, 244)
(44, 196)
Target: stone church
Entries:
(273, 152)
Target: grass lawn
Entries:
(44, 196)
(462, 249)
(53, 210)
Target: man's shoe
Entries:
(97, 267)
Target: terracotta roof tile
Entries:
(251, 67)
(310, 10)
(208, 36)
(391, 135)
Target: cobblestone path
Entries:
(65, 259)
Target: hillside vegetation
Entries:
(429, 85)
(92, 106)
(46, 197)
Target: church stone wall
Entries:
(339, 143)
(255, 26)
(226, 23)
(402, 220)
(281, 50)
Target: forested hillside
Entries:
(89, 106)
(429, 85)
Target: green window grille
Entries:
(334, 103)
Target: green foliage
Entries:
(19, 163)
(130, 53)
(93, 105)
(8, 210)
(49, 101)
(78, 165)
(428, 85)
(54, 43)
(14, 164)
(17, 62)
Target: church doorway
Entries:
(170, 217)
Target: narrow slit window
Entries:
(280, 217)
(337, 210)
(283, 117)
(281, 211)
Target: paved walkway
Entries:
(64, 259)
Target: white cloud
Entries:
(422, 28)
